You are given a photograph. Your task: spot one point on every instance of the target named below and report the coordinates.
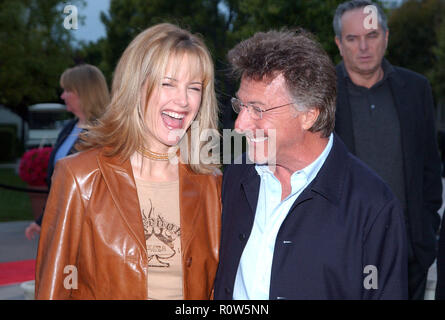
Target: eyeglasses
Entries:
(255, 112)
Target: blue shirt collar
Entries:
(309, 172)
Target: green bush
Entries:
(15, 205)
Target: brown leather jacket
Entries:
(93, 222)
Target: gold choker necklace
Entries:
(154, 155)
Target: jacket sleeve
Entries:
(56, 272)
(432, 182)
(385, 260)
(440, 288)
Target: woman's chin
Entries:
(174, 136)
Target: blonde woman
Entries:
(124, 221)
(86, 95)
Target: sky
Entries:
(93, 29)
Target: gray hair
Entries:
(307, 69)
(356, 4)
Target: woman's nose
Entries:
(181, 97)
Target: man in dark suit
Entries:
(385, 117)
(306, 220)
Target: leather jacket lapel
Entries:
(120, 181)
(189, 203)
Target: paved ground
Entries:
(10, 165)
(14, 246)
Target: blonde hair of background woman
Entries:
(89, 84)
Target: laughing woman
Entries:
(124, 219)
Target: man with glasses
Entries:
(385, 117)
(306, 219)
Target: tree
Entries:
(437, 73)
(313, 15)
(35, 48)
(92, 53)
(412, 34)
(127, 18)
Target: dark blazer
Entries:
(64, 133)
(421, 162)
(346, 219)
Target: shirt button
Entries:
(242, 236)
(189, 262)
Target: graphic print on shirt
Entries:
(160, 236)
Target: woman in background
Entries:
(86, 95)
(128, 220)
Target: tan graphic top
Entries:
(160, 215)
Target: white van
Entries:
(45, 120)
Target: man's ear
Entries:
(338, 43)
(309, 117)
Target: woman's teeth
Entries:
(173, 114)
(260, 139)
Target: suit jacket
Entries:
(64, 133)
(93, 222)
(345, 220)
(421, 162)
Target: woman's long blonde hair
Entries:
(122, 129)
(89, 84)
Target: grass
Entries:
(14, 205)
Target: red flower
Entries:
(33, 166)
